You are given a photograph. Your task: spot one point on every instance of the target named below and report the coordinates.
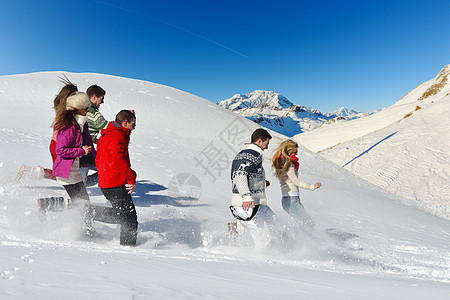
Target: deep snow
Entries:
(385, 247)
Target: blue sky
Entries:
(362, 54)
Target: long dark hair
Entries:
(63, 116)
(68, 89)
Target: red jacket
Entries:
(113, 161)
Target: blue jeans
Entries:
(293, 206)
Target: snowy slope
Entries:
(383, 246)
(403, 148)
(326, 137)
(409, 158)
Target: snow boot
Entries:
(128, 234)
(52, 204)
(232, 229)
(55, 204)
(36, 172)
(20, 173)
(88, 220)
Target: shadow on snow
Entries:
(143, 196)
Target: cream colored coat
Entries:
(290, 182)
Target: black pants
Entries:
(77, 191)
(80, 198)
(123, 212)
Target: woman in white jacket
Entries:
(285, 164)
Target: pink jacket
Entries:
(68, 147)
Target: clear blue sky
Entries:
(361, 54)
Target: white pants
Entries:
(260, 226)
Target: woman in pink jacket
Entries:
(72, 143)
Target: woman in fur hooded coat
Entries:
(72, 143)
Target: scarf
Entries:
(80, 120)
(295, 161)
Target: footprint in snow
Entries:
(26, 257)
(8, 274)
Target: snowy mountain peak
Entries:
(274, 111)
(341, 112)
(347, 114)
(256, 99)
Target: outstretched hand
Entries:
(317, 185)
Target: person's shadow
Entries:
(175, 230)
(148, 193)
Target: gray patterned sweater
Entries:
(248, 177)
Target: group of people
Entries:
(77, 127)
(249, 204)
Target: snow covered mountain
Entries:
(368, 243)
(274, 111)
(256, 100)
(347, 114)
(403, 148)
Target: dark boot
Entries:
(88, 220)
(55, 204)
(128, 234)
(52, 204)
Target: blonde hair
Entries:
(281, 159)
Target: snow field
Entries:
(376, 246)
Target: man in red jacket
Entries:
(115, 177)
